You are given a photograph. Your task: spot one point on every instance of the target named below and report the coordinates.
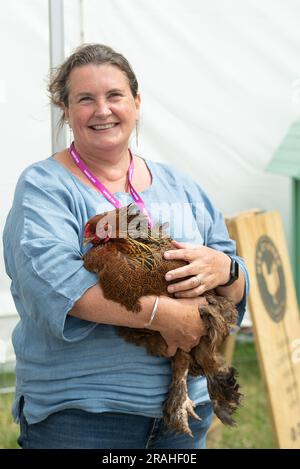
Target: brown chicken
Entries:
(129, 259)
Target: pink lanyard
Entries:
(109, 196)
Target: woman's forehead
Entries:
(94, 76)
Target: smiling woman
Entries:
(79, 384)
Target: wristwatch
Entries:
(234, 272)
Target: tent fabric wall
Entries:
(220, 86)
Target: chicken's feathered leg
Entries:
(178, 406)
(224, 392)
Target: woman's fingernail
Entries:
(168, 276)
(167, 254)
(170, 289)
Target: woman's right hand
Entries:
(179, 322)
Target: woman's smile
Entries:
(103, 127)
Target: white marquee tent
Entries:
(220, 86)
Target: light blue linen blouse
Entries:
(64, 362)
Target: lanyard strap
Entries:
(101, 187)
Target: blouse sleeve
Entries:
(44, 260)
(216, 237)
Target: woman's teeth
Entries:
(103, 127)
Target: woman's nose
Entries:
(102, 109)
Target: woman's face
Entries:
(102, 110)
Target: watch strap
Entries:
(234, 273)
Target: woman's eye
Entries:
(115, 95)
(85, 98)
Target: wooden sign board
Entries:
(275, 316)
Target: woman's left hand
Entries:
(207, 269)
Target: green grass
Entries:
(9, 431)
(253, 429)
(253, 420)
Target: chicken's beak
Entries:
(88, 240)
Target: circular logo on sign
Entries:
(270, 278)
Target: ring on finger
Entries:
(199, 279)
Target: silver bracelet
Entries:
(153, 312)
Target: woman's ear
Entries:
(66, 113)
(137, 100)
